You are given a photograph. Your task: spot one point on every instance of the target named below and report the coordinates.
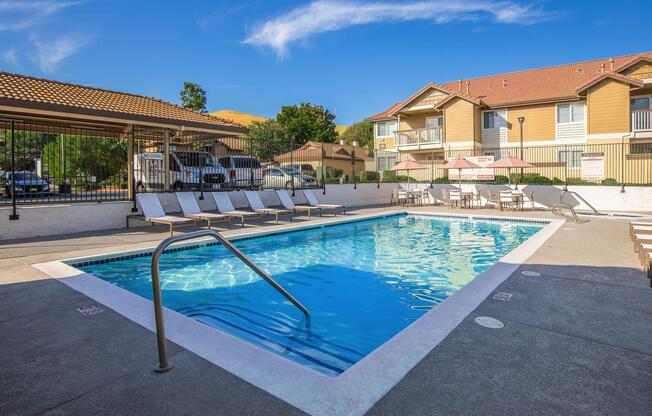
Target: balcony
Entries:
(642, 120)
(419, 138)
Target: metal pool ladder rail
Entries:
(164, 364)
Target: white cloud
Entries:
(10, 58)
(24, 14)
(50, 54)
(327, 16)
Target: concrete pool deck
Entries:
(577, 340)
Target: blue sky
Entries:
(354, 57)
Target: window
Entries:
(494, 119)
(572, 158)
(570, 113)
(385, 128)
(640, 103)
(386, 162)
(640, 148)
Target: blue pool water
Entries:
(363, 282)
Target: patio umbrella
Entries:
(510, 162)
(408, 165)
(460, 163)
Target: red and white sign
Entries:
(479, 174)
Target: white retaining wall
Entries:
(47, 220)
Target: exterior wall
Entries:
(641, 70)
(540, 123)
(387, 141)
(459, 121)
(477, 124)
(414, 121)
(430, 97)
(608, 108)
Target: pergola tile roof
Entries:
(24, 90)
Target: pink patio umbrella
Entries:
(460, 163)
(510, 162)
(408, 165)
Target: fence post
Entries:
(622, 164)
(130, 171)
(14, 214)
(166, 160)
(565, 168)
(323, 168)
(292, 164)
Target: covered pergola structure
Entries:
(85, 138)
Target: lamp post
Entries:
(521, 120)
(355, 182)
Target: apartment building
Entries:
(553, 117)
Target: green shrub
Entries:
(368, 176)
(610, 181)
(344, 179)
(501, 179)
(443, 179)
(557, 181)
(332, 172)
(537, 180)
(391, 176)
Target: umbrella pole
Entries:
(459, 178)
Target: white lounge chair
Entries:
(225, 206)
(154, 212)
(259, 207)
(639, 229)
(287, 202)
(190, 209)
(314, 202)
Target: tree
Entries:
(361, 132)
(193, 96)
(266, 139)
(305, 122)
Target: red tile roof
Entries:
(543, 84)
(29, 92)
(553, 83)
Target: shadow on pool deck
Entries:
(576, 341)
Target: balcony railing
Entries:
(642, 120)
(430, 136)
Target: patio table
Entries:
(467, 199)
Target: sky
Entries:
(355, 58)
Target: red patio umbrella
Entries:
(510, 162)
(460, 163)
(407, 165)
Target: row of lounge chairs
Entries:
(153, 209)
(641, 234)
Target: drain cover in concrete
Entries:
(488, 322)
(502, 296)
(530, 273)
(90, 310)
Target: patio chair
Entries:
(225, 207)
(506, 200)
(399, 197)
(476, 199)
(313, 201)
(190, 209)
(453, 198)
(425, 197)
(287, 202)
(154, 212)
(259, 207)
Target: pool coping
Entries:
(359, 387)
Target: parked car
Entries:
(282, 178)
(305, 168)
(25, 183)
(243, 171)
(186, 169)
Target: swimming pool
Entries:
(362, 281)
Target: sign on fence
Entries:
(593, 166)
(483, 173)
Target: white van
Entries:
(243, 171)
(185, 171)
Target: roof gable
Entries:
(416, 99)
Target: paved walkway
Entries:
(577, 340)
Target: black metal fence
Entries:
(51, 163)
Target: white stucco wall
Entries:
(39, 221)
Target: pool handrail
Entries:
(566, 191)
(164, 365)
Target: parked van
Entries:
(185, 171)
(243, 171)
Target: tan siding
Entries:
(608, 107)
(417, 121)
(641, 70)
(477, 113)
(427, 98)
(539, 123)
(387, 141)
(458, 121)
